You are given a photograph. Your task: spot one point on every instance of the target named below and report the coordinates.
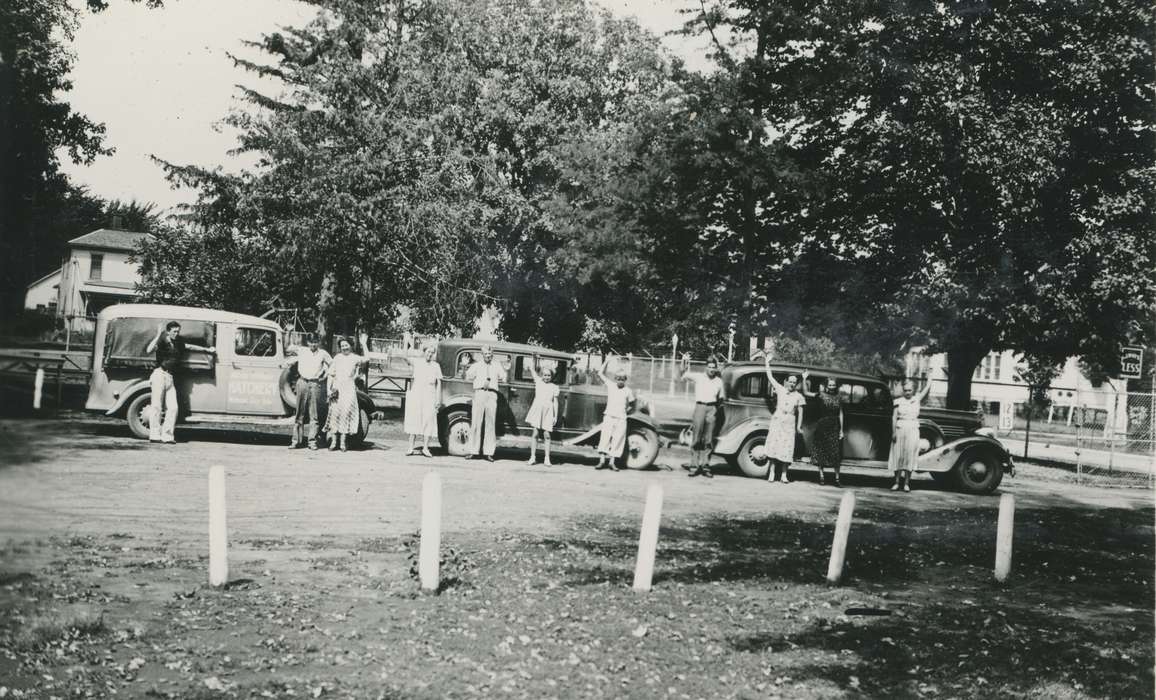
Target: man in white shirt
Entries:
(487, 377)
(709, 395)
(312, 364)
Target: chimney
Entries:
(117, 222)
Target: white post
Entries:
(1003, 537)
(218, 531)
(839, 545)
(648, 539)
(673, 362)
(37, 388)
(429, 552)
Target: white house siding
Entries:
(80, 294)
(43, 293)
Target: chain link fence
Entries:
(1102, 435)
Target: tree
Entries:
(986, 171)
(35, 124)
(408, 159)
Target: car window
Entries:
(254, 342)
(753, 386)
(523, 364)
(467, 358)
(867, 396)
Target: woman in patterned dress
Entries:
(786, 422)
(343, 411)
(904, 455)
(543, 412)
(422, 400)
(827, 441)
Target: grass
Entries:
(739, 609)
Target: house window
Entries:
(96, 267)
(989, 368)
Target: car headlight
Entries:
(987, 432)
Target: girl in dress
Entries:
(905, 435)
(828, 438)
(786, 422)
(422, 400)
(343, 411)
(543, 412)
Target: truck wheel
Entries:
(358, 438)
(456, 439)
(977, 472)
(139, 414)
(752, 458)
(641, 447)
(287, 385)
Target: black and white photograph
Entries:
(673, 349)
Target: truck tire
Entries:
(358, 439)
(641, 447)
(138, 414)
(287, 385)
(456, 438)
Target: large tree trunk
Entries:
(961, 364)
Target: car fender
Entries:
(457, 401)
(729, 442)
(126, 397)
(590, 437)
(945, 457)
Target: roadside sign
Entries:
(1007, 414)
(1130, 361)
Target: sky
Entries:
(161, 81)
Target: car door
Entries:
(867, 421)
(251, 370)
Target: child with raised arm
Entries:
(543, 411)
(619, 399)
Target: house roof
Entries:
(109, 239)
(50, 275)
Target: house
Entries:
(997, 385)
(43, 294)
(96, 273)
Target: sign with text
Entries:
(1007, 416)
(1130, 361)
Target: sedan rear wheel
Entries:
(752, 457)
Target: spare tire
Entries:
(287, 384)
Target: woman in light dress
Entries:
(422, 400)
(543, 411)
(904, 455)
(343, 410)
(786, 422)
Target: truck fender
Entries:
(126, 397)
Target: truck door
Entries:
(251, 370)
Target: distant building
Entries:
(998, 381)
(44, 294)
(96, 273)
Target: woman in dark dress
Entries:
(827, 445)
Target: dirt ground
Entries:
(103, 573)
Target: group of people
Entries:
(323, 378)
(423, 402)
(786, 425)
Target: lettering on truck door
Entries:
(254, 372)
